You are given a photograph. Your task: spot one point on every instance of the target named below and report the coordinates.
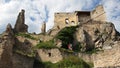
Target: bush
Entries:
(46, 45)
(66, 35)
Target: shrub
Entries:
(66, 35)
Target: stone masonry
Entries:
(63, 19)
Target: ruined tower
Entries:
(43, 29)
(98, 13)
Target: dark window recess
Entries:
(73, 22)
(0, 40)
(49, 54)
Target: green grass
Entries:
(25, 35)
(69, 62)
(46, 45)
(73, 62)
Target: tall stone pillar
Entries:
(43, 29)
(20, 25)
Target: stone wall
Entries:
(98, 14)
(60, 18)
(52, 55)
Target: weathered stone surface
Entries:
(21, 61)
(52, 55)
(108, 58)
(43, 29)
(95, 34)
(6, 45)
(10, 58)
(58, 43)
(20, 25)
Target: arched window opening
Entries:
(67, 21)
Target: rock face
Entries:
(21, 61)
(20, 25)
(6, 45)
(108, 58)
(10, 54)
(95, 34)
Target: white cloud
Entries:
(43, 10)
(112, 9)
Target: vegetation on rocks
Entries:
(70, 62)
(66, 35)
(46, 45)
(26, 36)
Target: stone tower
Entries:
(43, 29)
(98, 13)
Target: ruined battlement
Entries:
(63, 19)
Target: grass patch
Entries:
(73, 62)
(70, 62)
(46, 45)
(25, 35)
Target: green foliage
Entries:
(46, 45)
(69, 62)
(66, 35)
(92, 51)
(73, 62)
(77, 47)
(25, 35)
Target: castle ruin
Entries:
(63, 19)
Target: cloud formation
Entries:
(37, 11)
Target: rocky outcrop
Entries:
(6, 45)
(108, 58)
(13, 53)
(23, 54)
(21, 61)
(95, 34)
(20, 25)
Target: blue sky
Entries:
(37, 11)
